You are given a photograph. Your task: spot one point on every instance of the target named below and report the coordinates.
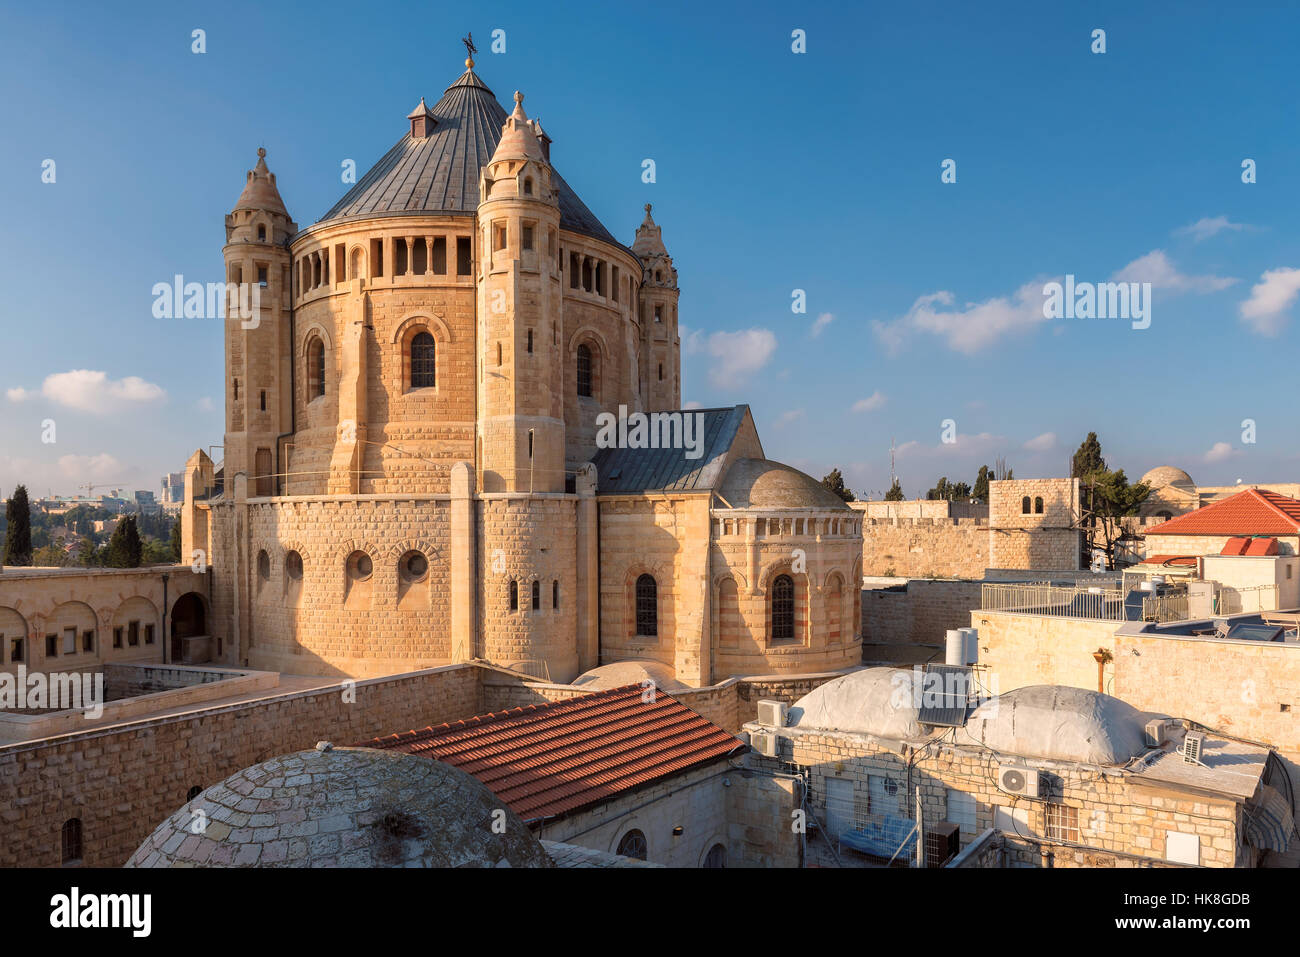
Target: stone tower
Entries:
(660, 345)
(259, 381)
(521, 409)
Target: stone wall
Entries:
(1105, 811)
(1022, 650)
(925, 547)
(920, 613)
(1045, 539)
(123, 781)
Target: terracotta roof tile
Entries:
(1252, 511)
(550, 759)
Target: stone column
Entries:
(588, 570)
(463, 562)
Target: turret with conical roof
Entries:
(519, 315)
(258, 379)
(661, 346)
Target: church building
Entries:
(414, 468)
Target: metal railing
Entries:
(1165, 607)
(1237, 601)
(1103, 604)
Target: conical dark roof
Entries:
(439, 173)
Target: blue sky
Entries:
(775, 171)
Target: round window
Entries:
(293, 566)
(360, 566)
(414, 566)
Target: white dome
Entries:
(621, 673)
(1058, 723)
(877, 701)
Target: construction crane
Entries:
(91, 486)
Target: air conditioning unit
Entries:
(942, 842)
(771, 714)
(766, 744)
(1193, 742)
(1017, 780)
(1159, 731)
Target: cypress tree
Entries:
(18, 537)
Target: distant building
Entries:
(173, 489)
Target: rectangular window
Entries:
(528, 237)
(1061, 823)
(498, 237)
(464, 257)
(16, 650)
(117, 637)
(261, 276)
(659, 316)
(440, 255)
(376, 258)
(133, 633)
(148, 634)
(51, 646)
(87, 641)
(69, 641)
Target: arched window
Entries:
(1024, 505)
(537, 595)
(514, 596)
(423, 372)
(584, 371)
(72, 842)
(1038, 505)
(192, 793)
(783, 608)
(717, 857)
(261, 234)
(647, 607)
(315, 369)
(528, 186)
(633, 844)
(293, 566)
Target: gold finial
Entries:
(469, 64)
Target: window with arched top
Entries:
(528, 186)
(424, 374)
(71, 841)
(647, 607)
(783, 608)
(315, 368)
(633, 844)
(1038, 505)
(716, 858)
(261, 234)
(537, 595)
(1024, 505)
(584, 371)
(192, 793)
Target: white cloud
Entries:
(91, 391)
(1041, 443)
(738, 355)
(206, 404)
(785, 418)
(1270, 298)
(821, 322)
(692, 340)
(1220, 452)
(1208, 226)
(978, 443)
(692, 405)
(969, 328)
(871, 403)
(92, 467)
(1156, 268)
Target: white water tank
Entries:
(956, 647)
(972, 646)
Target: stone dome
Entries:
(1166, 475)
(761, 483)
(1058, 723)
(876, 701)
(259, 190)
(343, 807)
(622, 673)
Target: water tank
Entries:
(972, 645)
(956, 647)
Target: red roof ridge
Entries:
(1252, 511)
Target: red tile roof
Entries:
(1252, 511)
(544, 760)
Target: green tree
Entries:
(835, 482)
(18, 534)
(125, 548)
(1107, 499)
(895, 493)
(51, 556)
(175, 543)
(949, 491)
(1087, 459)
(981, 489)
